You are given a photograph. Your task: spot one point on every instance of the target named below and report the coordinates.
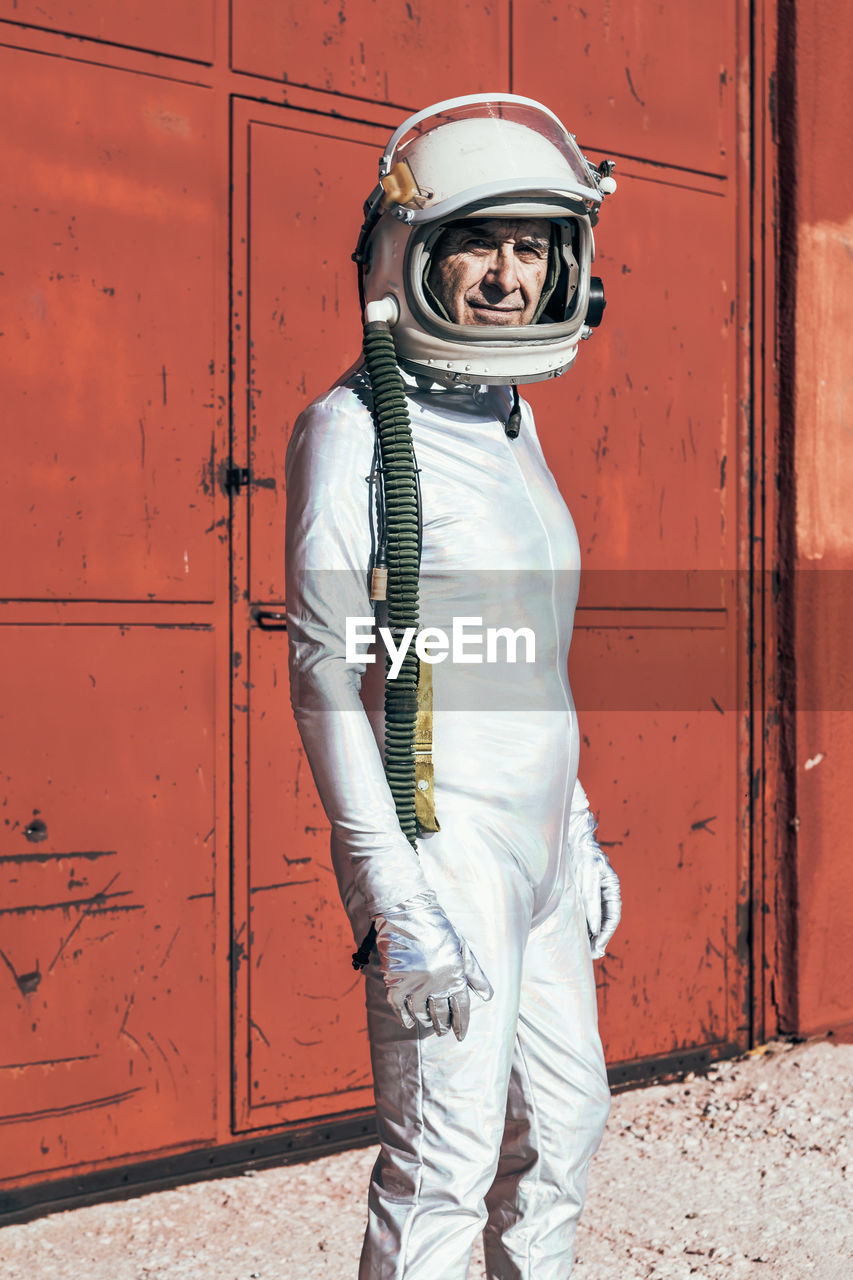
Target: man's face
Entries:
(491, 271)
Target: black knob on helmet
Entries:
(597, 302)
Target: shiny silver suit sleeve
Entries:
(424, 963)
(327, 550)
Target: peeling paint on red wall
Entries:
(824, 514)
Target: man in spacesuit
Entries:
(475, 256)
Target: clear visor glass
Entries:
(560, 306)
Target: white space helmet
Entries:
(487, 155)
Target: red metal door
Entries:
(116, 601)
(645, 440)
(300, 1044)
(107, 981)
(641, 446)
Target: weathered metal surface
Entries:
(641, 432)
(409, 52)
(642, 436)
(106, 922)
(107, 485)
(108, 980)
(300, 1037)
(818, 321)
(659, 773)
(182, 28)
(760, 492)
(128, 174)
(307, 1041)
(305, 180)
(655, 81)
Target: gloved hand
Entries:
(427, 967)
(597, 882)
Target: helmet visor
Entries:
(470, 150)
(441, 303)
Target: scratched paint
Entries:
(643, 418)
(818, 139)
(106, 963)
(396, 51)
(183, 28)
(105, 359)
(291, 361)
(306, 1040)
(119, 1042)
(824, 451)
(650, 80)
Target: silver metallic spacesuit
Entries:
(488, 923)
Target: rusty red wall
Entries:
(819, 67)
(113, 613)
(641, 436)
(184, 189)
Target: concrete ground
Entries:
(745, 1173)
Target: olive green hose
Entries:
(400, 484)
(401, 525)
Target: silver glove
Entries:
(597, 882)
(427, 967)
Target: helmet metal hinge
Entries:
(604, 177)
(399, 185)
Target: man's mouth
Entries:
(486, 312)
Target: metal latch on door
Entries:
(270, 619)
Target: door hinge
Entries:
(236, 478)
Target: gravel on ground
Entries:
(742, 1174)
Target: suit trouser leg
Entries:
(441, 1102)
(557, 1105)
(504, 1122)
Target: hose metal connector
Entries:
(383, 311)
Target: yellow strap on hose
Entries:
(424, 779)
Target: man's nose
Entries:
(502, 270)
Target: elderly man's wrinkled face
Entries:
(491, 271)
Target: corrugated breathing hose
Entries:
(400, 483)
